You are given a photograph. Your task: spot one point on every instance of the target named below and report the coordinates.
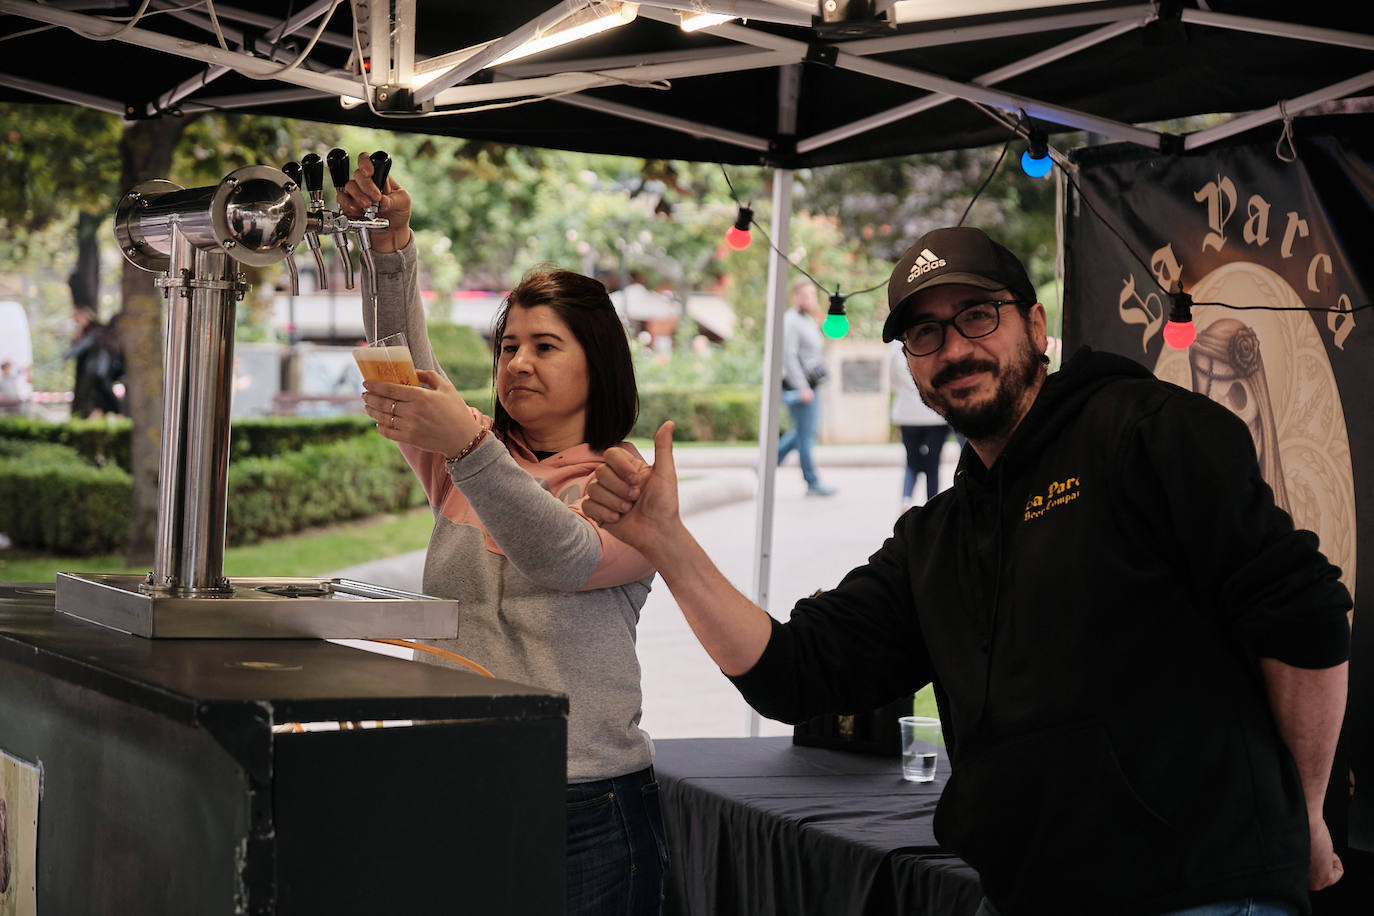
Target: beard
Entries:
(998, 415)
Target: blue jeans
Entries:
(617, 847)
(806, 419)
(1244, 906)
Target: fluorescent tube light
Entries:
(693, 21)
(590, 21)
(903, 11)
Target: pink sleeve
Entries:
(620, 563)
(429, 467)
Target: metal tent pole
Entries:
(772, 388)
(789, 86)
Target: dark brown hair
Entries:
(583, 304)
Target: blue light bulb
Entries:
(1036, 168)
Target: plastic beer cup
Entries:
(387, 359)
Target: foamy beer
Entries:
(387, 359)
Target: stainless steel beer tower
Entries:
(197, 238)
(254, 216)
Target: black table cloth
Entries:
(758, 826)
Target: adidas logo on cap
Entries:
(925, 262)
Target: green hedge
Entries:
(481, 398)
(106, 442)
(715, 414)
(266, 437)
(53, 501)
(98, 442)
(65, 487)
(463, 354)
(317, 485)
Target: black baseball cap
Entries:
(960, 254)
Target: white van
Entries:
(16, 348)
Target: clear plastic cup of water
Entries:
(921, 748)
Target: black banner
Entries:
(1287, 241)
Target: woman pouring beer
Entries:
(548, 598)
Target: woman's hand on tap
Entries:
(393, 206)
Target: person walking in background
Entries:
(803, 371)
(548, 597)
(99, 356)
(106, 366)
(85, 346)
(923, 430)
(10, 401)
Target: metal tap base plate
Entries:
(259, 608)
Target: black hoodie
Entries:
(1091, 610)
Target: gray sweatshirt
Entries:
(803, 349)
(546, 596)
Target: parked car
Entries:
(16, 350)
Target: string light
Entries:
(737, 236)
(836, 324)
(1179, 331)
(1035, 160)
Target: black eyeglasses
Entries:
(973, 321)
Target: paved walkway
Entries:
(816, 541)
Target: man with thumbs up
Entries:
(1140, 663)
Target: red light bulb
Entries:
(737, 238)
(1179, 334)
(1179, 331)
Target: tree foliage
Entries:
(55, 158)
(485, 212)
(890, 202)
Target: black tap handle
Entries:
(293, 171)
(339, 162)
(313, 167)
(381, 167)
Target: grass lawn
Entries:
(310, 553)
(925, 703)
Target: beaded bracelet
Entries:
(476, 441)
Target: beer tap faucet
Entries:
(338, 162)
(312, 170)
(293, 171)
(381, 167)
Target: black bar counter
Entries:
(168, 786)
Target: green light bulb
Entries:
(835, 326)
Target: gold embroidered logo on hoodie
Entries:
(1058, 493)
